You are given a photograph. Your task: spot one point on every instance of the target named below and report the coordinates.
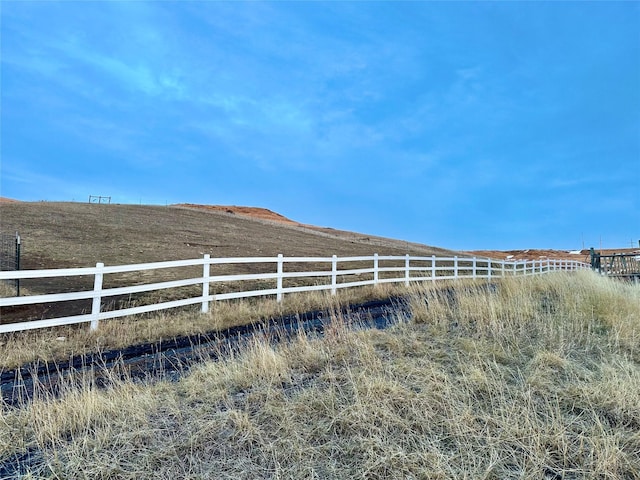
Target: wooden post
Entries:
(17, 252)
(455, 267)
(279, 280)
(205, 283)
(97, 298)
(473, 269)
(406, 270)
(375, 269)
(433, 268)
(334, 274)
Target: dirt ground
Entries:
(251, 212)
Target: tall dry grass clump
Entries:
(563, 309)
(535, 378)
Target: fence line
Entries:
(413, 269)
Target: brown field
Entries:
(63, 235)
(59, 235)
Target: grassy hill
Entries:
(57, 235)
(61, 235)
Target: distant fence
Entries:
(10, 255)
(377, 269)
(99, 199)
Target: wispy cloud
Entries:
(446, 109)
(19, 182)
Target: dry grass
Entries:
(55, 235)
(537, 379)
(60, 343)
(7, 289)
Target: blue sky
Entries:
(462, 125)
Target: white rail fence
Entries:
(377, 269)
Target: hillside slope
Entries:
(58, 235)
(64, 235)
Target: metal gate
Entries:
(10, 255)
(616, 264)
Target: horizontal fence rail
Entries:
(356, 271)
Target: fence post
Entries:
(489, 266)
(279, 284)
(17, 263)
(205, 283)
(334, 274)
(455, 267)
(97, 298)
(406, 271)
(375, 269)
(473, 269)
(433, 268)
(502, 267)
